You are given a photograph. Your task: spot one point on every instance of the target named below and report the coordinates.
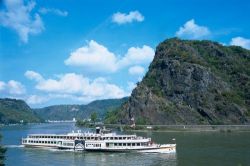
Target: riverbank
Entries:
(177, 128)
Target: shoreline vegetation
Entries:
(169, 128)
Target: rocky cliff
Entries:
(192, 82)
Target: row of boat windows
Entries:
(117, 138)
(68, 144)
(85, 138)
(93, 145)
(41, 142)
(126, 144)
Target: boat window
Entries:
(116, 138)
(107, 144)
(39, 141)
(138, 144)
(129, 144)
(43, 142)
(115, 144)
(120, 137)
(124, 144)
(133, 144)
(111, 138)
(124, 138)
(120, 144)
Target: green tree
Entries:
(2, 153)
(93, 117)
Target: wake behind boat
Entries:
(101, 140)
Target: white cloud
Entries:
(136, 70)
(131, 86)
(96, 57)
(240, 41)
(123, 18)
(69, 83)
(72, 84)
(191, 30)
(16, 88)
(137, 55)
(33, 75)
(35, 99)
(2, 85)
(12, 87)
(18, 16)
(54, 11)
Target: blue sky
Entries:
(80, 51)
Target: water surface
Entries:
(193, 148)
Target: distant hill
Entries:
(68, 112)
(15, 111)
(191, 82)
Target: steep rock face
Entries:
(192, 82)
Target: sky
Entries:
(74, 52)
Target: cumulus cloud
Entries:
(137, 55)
(136, 70)
(2, 85)
(240, 41)
(33, 75)
(12, 87)
(35, 99)
(190, 30)
(96, 57)
(123, 18)
(71, 84)
(93, 56)
(19, 16)
(53, 11)
(16, 87)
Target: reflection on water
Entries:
(193, 148)
(44, 156)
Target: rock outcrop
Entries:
(192, 82)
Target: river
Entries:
(193, 148)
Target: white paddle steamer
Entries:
(101, 140)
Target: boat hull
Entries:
(169, 148)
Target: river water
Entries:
(193, 149)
